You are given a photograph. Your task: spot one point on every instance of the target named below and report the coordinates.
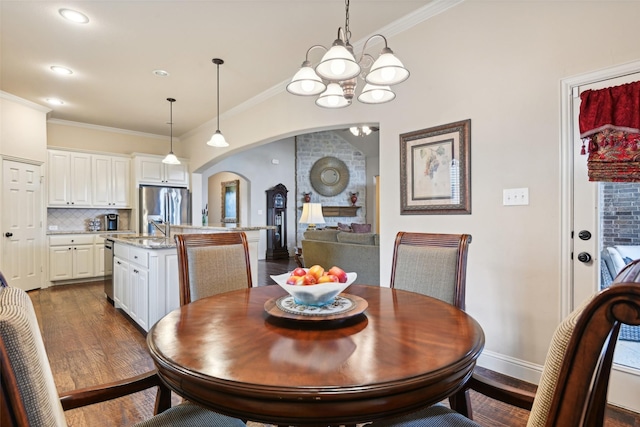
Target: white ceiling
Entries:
(263, 43)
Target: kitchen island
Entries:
(145, 270)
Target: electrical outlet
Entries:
(53, 227)
(515, 196)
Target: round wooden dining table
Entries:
(227, 353)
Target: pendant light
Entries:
(217, 140)
(171, 158)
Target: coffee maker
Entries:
(111, 222)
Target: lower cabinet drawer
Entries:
(139, 256)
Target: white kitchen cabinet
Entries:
(98, 252)
(71, 256)
(121, 288)
(151, 170)
(111, 181)
(145, 282)
(69, 176)
(139, 284)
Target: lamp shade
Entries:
(333, 97)
(372, 94)
(312, 214)
(306, 82)
(387, 70)
(217, 140)
(171, 159)
(338, 63)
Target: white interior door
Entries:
(22, 225)
(625, 378)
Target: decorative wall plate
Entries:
(329, 176)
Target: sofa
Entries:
(616, 257)
(612, 260)
(357, 252)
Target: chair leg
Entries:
(461, 403)
(163, 399)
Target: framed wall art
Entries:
(435, 170)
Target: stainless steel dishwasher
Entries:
(108, 269)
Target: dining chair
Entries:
(431, 264)
(28, 396)
(434, 265)
(575, 378)
(212, 263)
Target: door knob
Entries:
(584, 257)
(8, 234)
(584, 234)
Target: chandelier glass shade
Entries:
(217, 139)
(339, 67)
(171, 158)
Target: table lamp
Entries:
(312, 215)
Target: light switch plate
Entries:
(515, 196)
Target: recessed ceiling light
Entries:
(74, 16)
(54, 101)
(161, 73)
(61, 70)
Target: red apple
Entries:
(307, 279)
(339, 273)
(298, 272)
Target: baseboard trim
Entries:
(520, 369)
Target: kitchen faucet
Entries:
(167, 227)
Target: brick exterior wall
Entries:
(620, 213)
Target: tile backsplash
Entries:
(78, 219)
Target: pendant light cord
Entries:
(218, 62)
(171, 101)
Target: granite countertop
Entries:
(143, 241)
(227, 227)
(115, 232)
(161, 242)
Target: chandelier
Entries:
(334, 79)
(362, 130)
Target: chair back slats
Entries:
(581, 356)
(212, 263)
(29, 395)
(431, 264)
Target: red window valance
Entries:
(610, 125)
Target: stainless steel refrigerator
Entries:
(164, 204)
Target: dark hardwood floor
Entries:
(89, 342)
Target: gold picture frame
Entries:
(435, 170)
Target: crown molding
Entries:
(109, 129)
(18, 100)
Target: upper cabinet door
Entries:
(59, 178)
(177, 174)
(121, 182)
(80, 179)
(102, 181)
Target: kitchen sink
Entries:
(138, 237)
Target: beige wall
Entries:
(499, 64)
(23, 131)
(95, 138)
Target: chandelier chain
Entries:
(347, 32)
